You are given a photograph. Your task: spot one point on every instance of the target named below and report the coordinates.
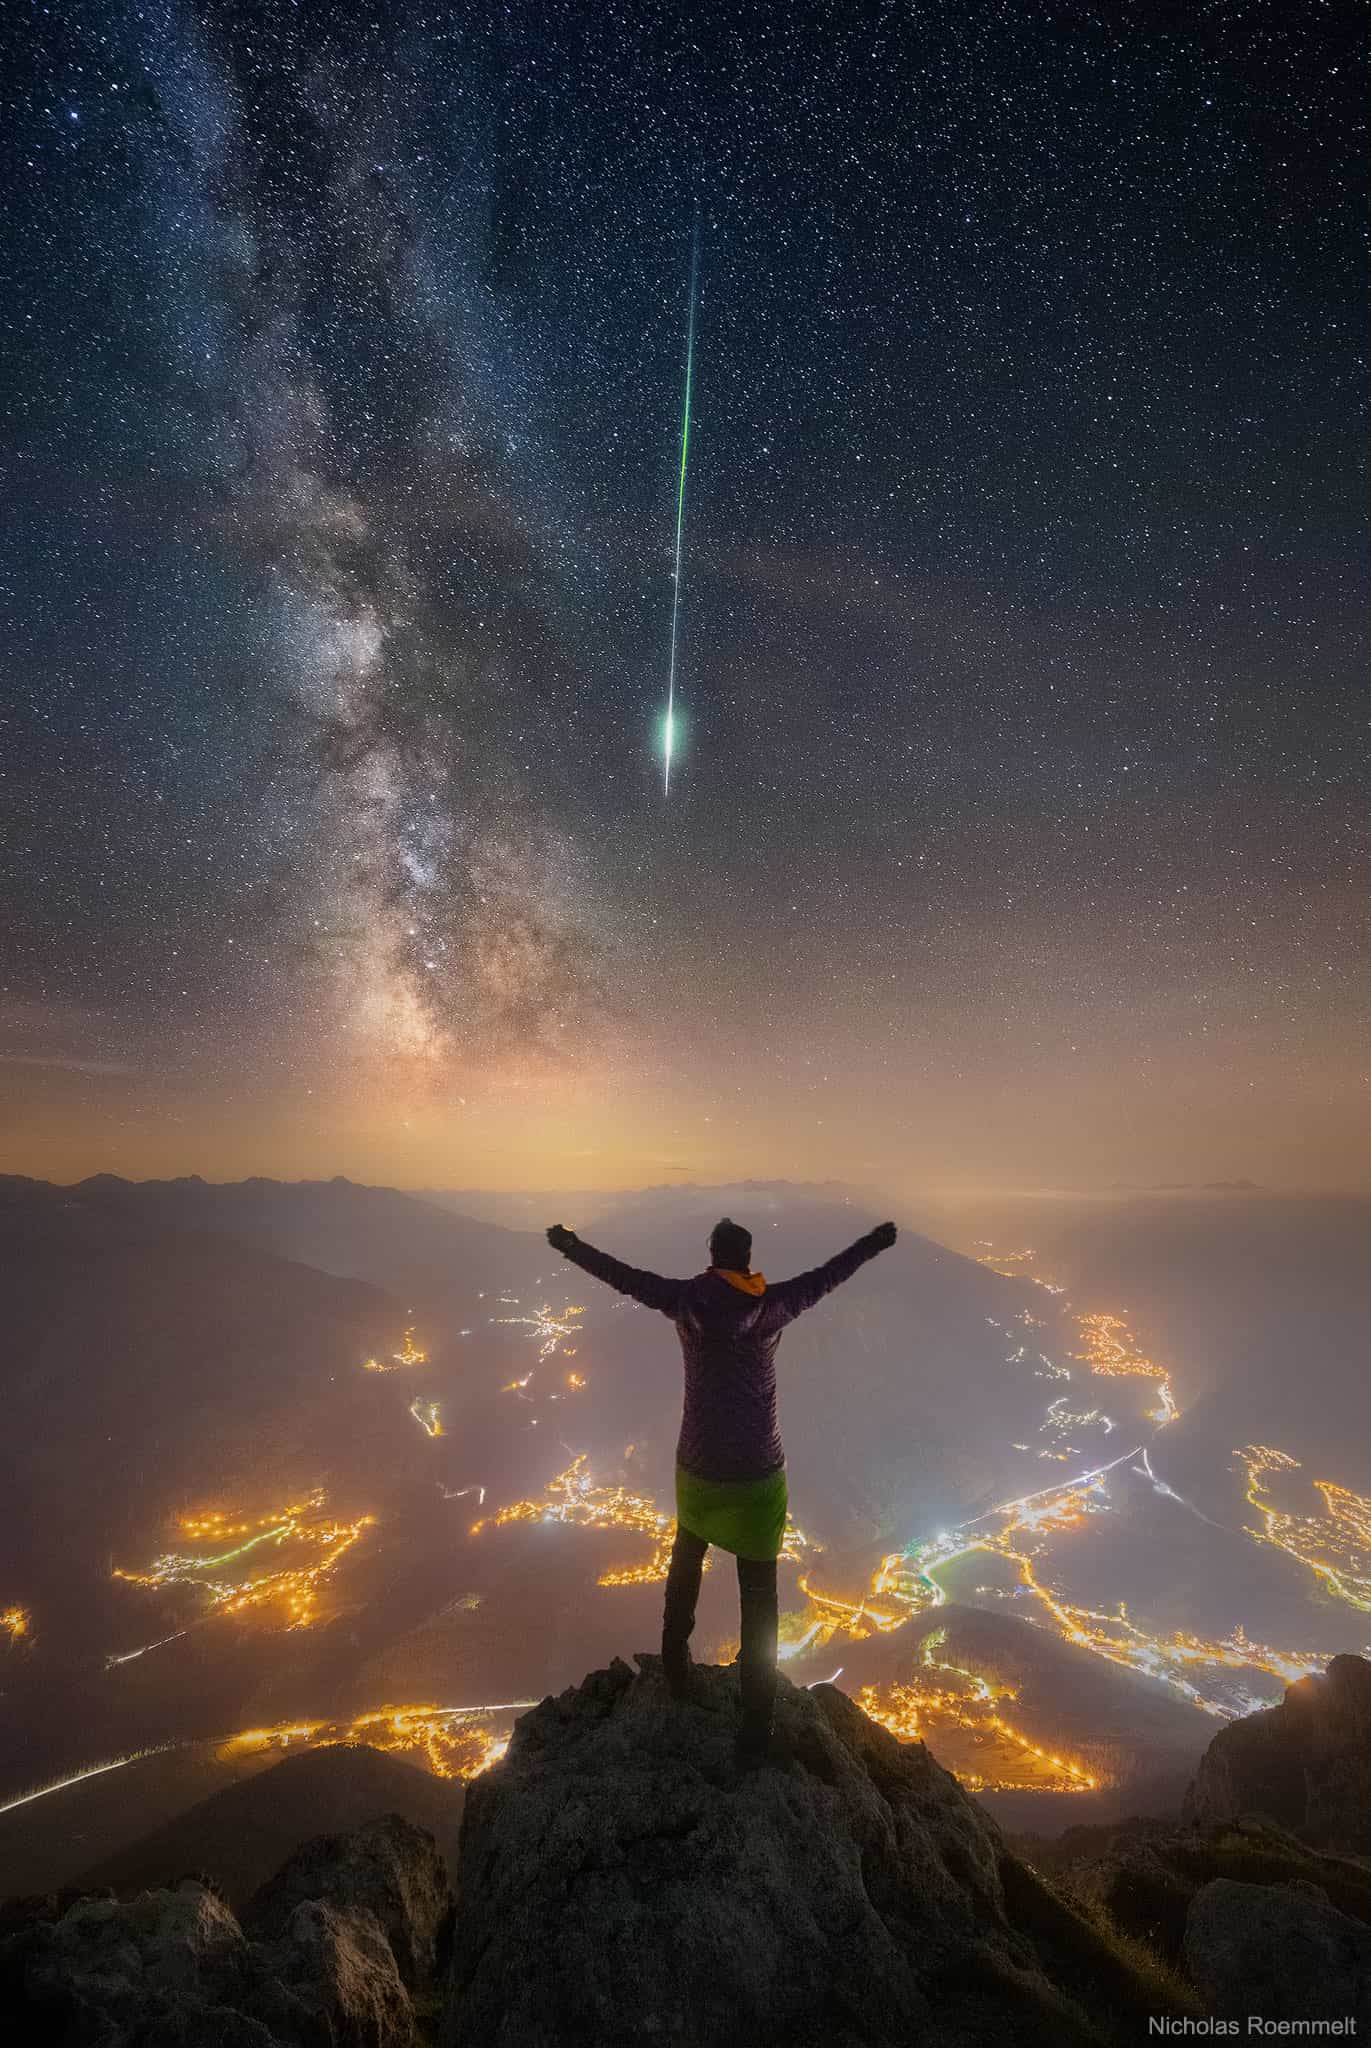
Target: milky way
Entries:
(1019, 828)
(410, 604)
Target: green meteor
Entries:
(669, 730)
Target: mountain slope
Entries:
(241, 1834)
(619, 1881)
(432, 1260)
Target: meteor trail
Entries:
(669, 734)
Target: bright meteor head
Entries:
(669, 728)
(671, 733)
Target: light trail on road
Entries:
(117, 1763)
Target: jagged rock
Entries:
(29, 1907)
(389, 1868)
(173, 1969)
(108, 1973)
(620, 1881)
(334, 1980)
(1279, 1950)
(1281, 1797)
(1145, 1880)
(1305, 1763)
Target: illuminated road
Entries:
(550, 1331)
(293, 1589)
(1023, 1532)
(1031, 1535)
(953, 1698)
(572, 1497)
(118, 1763)
(1335, 1546)
(452, 1742)
(426, 1414)
(1089, 1421)
(1110, 1351)
(1108, 1347)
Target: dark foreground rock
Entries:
(1259, 1897)
(1279, 1950)
(174, 1968)
(1145, 1881)
(1305, 1763)
(388, 1868)
(621, 1881)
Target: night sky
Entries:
(1018, 832)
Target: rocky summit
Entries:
(622, 1881)
(1305, 1763)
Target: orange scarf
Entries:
(746, 1283)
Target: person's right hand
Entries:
(560, 1238)
(883, 1236)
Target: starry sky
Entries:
(1018, 832)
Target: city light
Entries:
(1110, 1351)
(938, 1700)
(572, 1497)
(1335, 1545)
(408, 1355)
(451, 1742)
(295, 1589)
(550, 1330)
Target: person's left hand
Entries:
(560, 1238)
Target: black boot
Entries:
(678, 1619)
(757, 1659)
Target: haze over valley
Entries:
(316, 1462)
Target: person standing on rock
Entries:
(730, 1465)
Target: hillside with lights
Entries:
(276, 1507)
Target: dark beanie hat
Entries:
(730, 1245)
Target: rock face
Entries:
(1281, 1798)
(621, 1881)
(389, 1869)
(1306, 1763)
(337, 1979)
(175, 1969)
(1145, 1880)
(1279, 1950)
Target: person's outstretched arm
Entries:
(792, 1297)
(649, 1288)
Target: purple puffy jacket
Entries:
(728, 1340)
